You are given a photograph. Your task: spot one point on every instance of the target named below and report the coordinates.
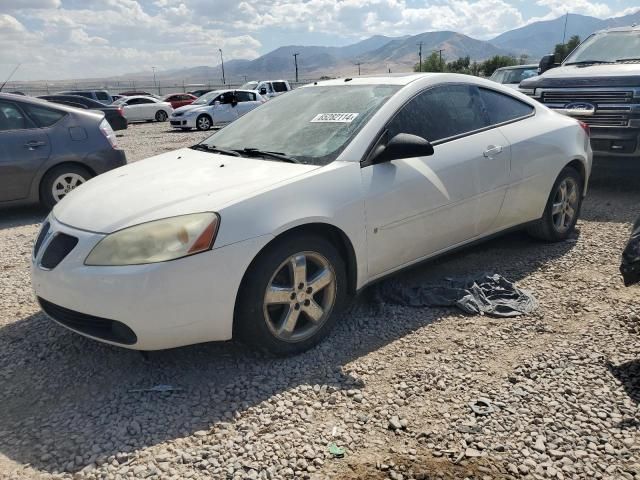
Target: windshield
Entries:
(249, 86)
(607, 47)
(312, 124)
(206, 98)
(518, 74)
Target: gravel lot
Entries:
(391, 385)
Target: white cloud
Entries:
(14, 5)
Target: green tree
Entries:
(563, 49)
(492, 64)
(461, 65)
(475, 68)
(430, 64)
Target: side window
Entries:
(503, 108)
(11, 118)
(133, 101)
(145, 100)
(280, 86)
(84, 94)
(103, 96)
(224, 98)
(245, 96)
(441, 112)
(43, 116)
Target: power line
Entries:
(564, 33)
(420, 56)
(295, 60)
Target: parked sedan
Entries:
(215, 108)
(142, 108)
(114, 114)
(178, 100)
(512, 76)
(264, 230)
(47, 150)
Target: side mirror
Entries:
(263, 91)
(216, 103)
(403, 145)
(547, 63)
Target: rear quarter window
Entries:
(43, 116)
(503, 108)
(280, 86)
(102, 96)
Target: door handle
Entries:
(492, 150)
(32, 145)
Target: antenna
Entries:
(420, 56)
(9, 77)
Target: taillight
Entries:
(108, 132)
(585, 127)
(121, 111)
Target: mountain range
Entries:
(380, 53)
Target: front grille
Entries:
(103, 328)
(41, 236)
(602, 118)
(595, 97)
(57, 250)
(175, 122)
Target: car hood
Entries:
(176, 183)
(189, 107)
(578, 76)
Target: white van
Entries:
(268, 88)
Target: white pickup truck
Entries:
(268, 88)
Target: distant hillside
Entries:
(540, 38)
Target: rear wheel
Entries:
(562, 209)
(59, 181)
(203, 122)
(161, 116)
(290, 295)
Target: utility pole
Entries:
(295, 60)
(224, 82)
(155, 84)
(358, 64)
(564, 33)
(420, 56)
(440, 52)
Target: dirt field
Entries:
(391, 386)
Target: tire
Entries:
(262, 324)
(161, 116)
(203, 122)
(65, 177)
(555, 224)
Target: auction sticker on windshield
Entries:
(334, 118)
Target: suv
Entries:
(268, 88)
(599, 84)
(101, 96)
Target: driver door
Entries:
(418, 207)
(224, 112)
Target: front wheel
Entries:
(562, 209)
(161, 116)
(203, 122)
(290, 296)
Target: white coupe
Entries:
(265, 229)
(144, 108)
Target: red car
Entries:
(178, 100)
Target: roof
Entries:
(629, 28)
(384, 79)
(516, 67)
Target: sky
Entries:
(60, 39)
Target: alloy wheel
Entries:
(565, 205)
(161, 116)
(300, 296)
(64, 184)
(204, 123)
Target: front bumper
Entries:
(143, 307)
(183, 121)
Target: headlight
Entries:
(527, 91)
(157, 241)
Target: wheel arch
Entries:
(335, 235)
(580, 167)
(58, 165)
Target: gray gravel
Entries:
(391, 386)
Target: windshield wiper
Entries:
(265, 153)
(628, 60)
(587, 62)
(214, 149)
